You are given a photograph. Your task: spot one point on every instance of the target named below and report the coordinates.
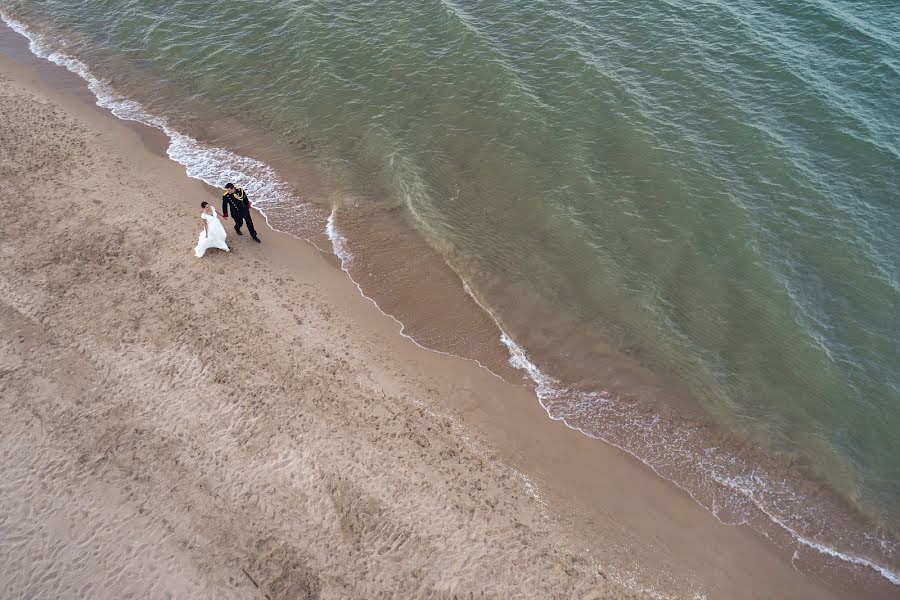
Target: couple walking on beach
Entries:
(213, 234)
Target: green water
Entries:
(701, 195)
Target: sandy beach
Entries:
(247, 425)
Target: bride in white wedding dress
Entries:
(213, 234)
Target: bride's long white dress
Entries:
(214, 235)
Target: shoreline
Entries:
(708, 462)
(485, 407)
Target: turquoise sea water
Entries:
(684, 216)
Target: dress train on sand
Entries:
(214, 235)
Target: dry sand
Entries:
(246, 425)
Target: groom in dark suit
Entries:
(238, 201)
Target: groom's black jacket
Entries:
(238, 201)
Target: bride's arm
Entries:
(205, 227)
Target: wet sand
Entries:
(247, 425)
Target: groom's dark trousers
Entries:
(240, 217)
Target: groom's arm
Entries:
(225, 206)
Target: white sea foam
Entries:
(338, 242)
(215, 166)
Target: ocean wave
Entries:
(340, 250)
(213, 165)
(749, 486)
